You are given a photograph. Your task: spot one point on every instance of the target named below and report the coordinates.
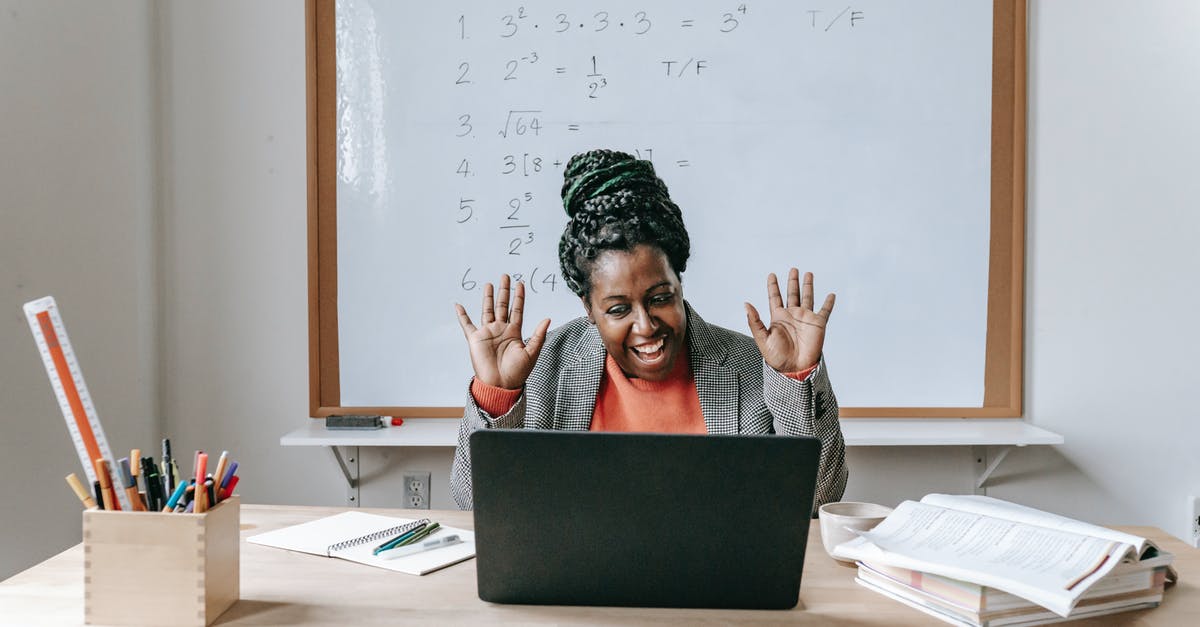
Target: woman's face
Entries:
(637, 304)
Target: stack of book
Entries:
(972, 560)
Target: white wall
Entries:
(1111, 254)
(77, 221)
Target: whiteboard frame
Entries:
(1003, 363)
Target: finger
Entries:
(489, 314)
(464, 320)
(794, 299)
(773, 297)
(502, 301)
(827, 308)
(806, 295)
(518, 308)
(534, 345)
(757, 329)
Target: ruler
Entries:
(71, 391)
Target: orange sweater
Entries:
(624, 404)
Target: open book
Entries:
(1045, 558)
(354, 535)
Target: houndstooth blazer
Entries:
(739, 394)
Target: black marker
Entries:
(154, 488)
(168, 471)
(99, 494)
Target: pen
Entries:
(200, 499)
(154, 489)
(217, 473)
(229, 473)
(84, 497)
(99, 494)
(428, 545)
(228, 491)
(110, 497)
(420, 535)
(129, 482)
(168, 465)
(175, 496)
(404, 535)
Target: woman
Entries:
(642, 359)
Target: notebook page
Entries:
(417, 563)
(316, 536)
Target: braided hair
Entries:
(616, 202)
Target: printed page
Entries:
(997, 508)
(417, 563)
(1052, 568)
(317, 536)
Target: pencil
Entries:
(83, 495)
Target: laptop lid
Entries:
(649, 520)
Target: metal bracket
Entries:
(984, 466)
(349, 468)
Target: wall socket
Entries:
(1194, 507)
(416, 489)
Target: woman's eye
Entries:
(618, 310)
(661, 298)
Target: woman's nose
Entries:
(643, 322)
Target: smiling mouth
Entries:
(651, 352)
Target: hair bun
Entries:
(602, 172)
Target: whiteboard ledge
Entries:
(856, 431)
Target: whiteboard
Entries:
(852, 141)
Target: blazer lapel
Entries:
(717, 385)
(578, 386)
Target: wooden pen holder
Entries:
(142, 568)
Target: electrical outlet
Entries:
(416, 489)
(1194, 506)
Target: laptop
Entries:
(646, 520)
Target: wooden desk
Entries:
(285, 588)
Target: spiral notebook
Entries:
(354, 535)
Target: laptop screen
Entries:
(652, 520)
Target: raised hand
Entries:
(499, 354)
(793, 341)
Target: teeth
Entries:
(649, 348)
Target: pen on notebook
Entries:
(403, 535)
(427, 545)
(420, 535)
(81, 492)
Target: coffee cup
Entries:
(840, 520)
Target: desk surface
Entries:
(856, 431)
(284, 588)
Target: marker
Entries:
(81, 492)
(201, 499)
(229, 473)
(105, 484)
(175, 496)
(208, 490)
(168, 465)
(99, 494)
(218, 472)
(228, 492)
(129, 482)
(428, 545)
(154, 489)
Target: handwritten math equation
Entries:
(526, 160)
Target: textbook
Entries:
(1044, 558)
(1119, 592)
(354, 535)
